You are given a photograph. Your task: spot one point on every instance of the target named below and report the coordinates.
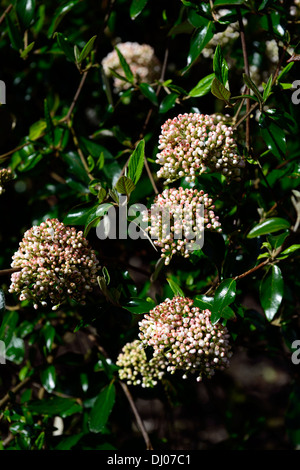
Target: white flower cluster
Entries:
(191, 143)
(56, 263)
(135, 369)
(141, 59)
(182, 338)
(5, 176)
(176, 220)
(231, 33)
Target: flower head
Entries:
(56, 263)
(178, 218)
(141, 59)
(191, 143)
(183, 336)
(135, 369)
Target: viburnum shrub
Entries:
(174, 128)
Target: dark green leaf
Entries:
(66, 46)
(149, 92)
(267, 90)
(136, 162)
(69, 442)
(25, 11)
(204, 302)
(48, 332)
(8, 326)
(220, 66)
(268, 226)
(59, 14)
(102, 408)
(86, 50)
(127, 70)
(136, 8)
(203, 86)
(250, 84)
(48, 378)
(199, 40)
(55, 406)
(14, 33)
(139, 306)
(15, 350)
(167, 103)
(271, 291)
(224, 296)
(228, 2)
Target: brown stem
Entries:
(5, 13)
(137, 416)
(246, 64)
(67, 118)
(14, 390)
(252, 270)
(80, 153)
(7, 272)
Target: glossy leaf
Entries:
(271, 291)
(126, 68)
(203, 86)
(176, 289)
(102, 408)
(149, 92)
(66, 46)
(203, 301)
(167, 103)
(48, 378)
(14, 33)
(139, 306)
(224, 296)
(273, 136)
(86, 50)
(136, 162)
(220, 66)
(59, 14)
(271, 225)
(199, 40)
(25, 10)
(136, 8)
(55, 406)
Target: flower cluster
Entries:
(56, 263)
(5, 176)
(135, 369)
(230, 34)
(141, 59)
(182, 338)
(191, 143)
(185, 338)
(177, 221)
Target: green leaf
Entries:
(250, 84)
(139, 306)
(284, 71)
(218, 90)
(268, 226)
(291, 249)
(86, 50)
(25, 10)
(15, 350)
(149, 92)
(224, 296)
(271, 291)
(55, 406)
(125, 185)
(68, 442)
(79, 214)
(176, 289)
(48, 378)
(48, 333)
(136, 8)
(66, 46)
(203, 86)
(199, 40)
(228, 2)
(220, 66)
(167, 103)
(8, 326)
(14, 33)
(26, 51)
(102, 408)
(127, 70)
(59, 14)
(273, 136)
(267, 90)
(37, 129)
(203, 301)
(136, 162)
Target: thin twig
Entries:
(8, 272)
(67, 118)
(137, 416)
(14, 390)
(5, 13)
(246, 65)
